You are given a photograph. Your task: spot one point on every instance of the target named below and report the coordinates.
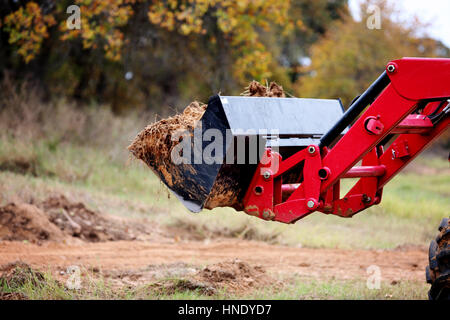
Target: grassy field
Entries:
(413, 203)
(38, 286)
(97, 170)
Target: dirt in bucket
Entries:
(255, 89)
(154, 146)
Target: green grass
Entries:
(413, 203)
(81, 153)
(37, 285)
(294, 288)
(307, 289)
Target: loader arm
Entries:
(404, 111)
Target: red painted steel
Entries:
(417, 123)
(357, 142)
(367, 171)
(395, 114)
(289, 188)
(421, 78)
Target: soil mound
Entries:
(171, 286)
(76, 220)
(234, 275)
(19, 222)
(60, 220)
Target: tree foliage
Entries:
(154, 54)
(27, 28)
(351, 56)
(239, 22)
(172, 50)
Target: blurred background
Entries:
(160, 55)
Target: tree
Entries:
(351, 56)
(313, 18)
(171, 51)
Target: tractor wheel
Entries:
(438, 271)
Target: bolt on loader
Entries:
(281, 159)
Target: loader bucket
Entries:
(239, 129)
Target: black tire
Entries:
(438, 272)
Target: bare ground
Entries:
(56, 234)
(404, 264)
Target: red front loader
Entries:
(316, 145)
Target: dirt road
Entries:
(57, 234)
(395, 265)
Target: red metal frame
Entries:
(413, 80)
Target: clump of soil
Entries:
(12, 296)
(20, 221)
(21, 166)
(16, 274)
(76, 220)
(154, 146)
(172, 286)
(255, 89)
(234, 275)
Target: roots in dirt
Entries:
(255, 89)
